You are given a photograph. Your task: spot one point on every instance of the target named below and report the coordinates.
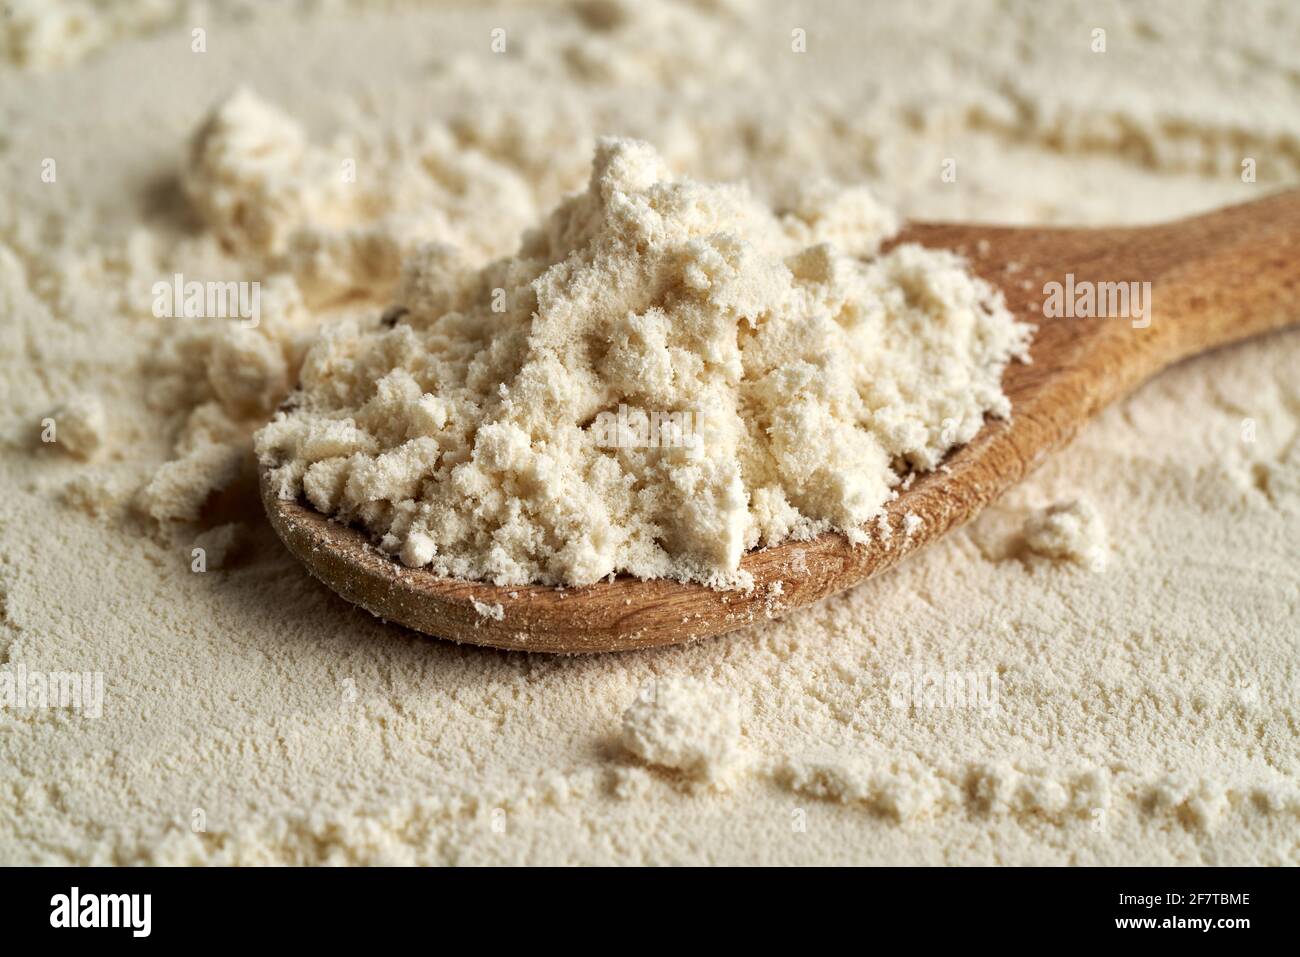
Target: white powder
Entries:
(688, 727)
(1134, 721)
(1072, 531)
(179, 488)
(494, 610)
(481, 425)
(219, 544)
(341, 218)
(79, 426)
(902, 794)
(42, 34)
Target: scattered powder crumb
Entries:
(80, 425)
(44, 34)
(631, 783)
(494, 610)
(686, 726)
(221, 543)
(1069, 531)
(902, 795)
(911, 524)
(98, 493)
(259, 183)
(1198, 803)
(1001, 788)
(772, 604)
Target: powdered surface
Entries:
(983, 703)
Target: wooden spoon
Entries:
(1215, 279)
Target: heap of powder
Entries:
(1068, 531)
(263, 188)
(79, 425)
(665, 375)
(687, 727)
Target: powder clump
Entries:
(902, 793)
(220, 544)
(666, 374)
(493, 610)
(688, 727)
(80, 426)
(259, 183)
(1070, 531)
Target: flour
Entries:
(44, 34)
(493, 610)
(1071, 531)
(1135, 721)
(220, 544)
(179, 488)
(903, 794)
(687, 727)
(468, 436)
(342, 218)
(79, 426)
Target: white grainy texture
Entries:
(1071, 530)
(494, 610)
(44, 34)
(79, 426)
(1145, 713)
(483, 434)
(219, 544)
(686, 726)
(341, 218)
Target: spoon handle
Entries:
(1224, 276)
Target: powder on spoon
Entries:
(665, 375)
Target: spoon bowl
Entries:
(1213, 280)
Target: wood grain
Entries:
(1216, 279)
